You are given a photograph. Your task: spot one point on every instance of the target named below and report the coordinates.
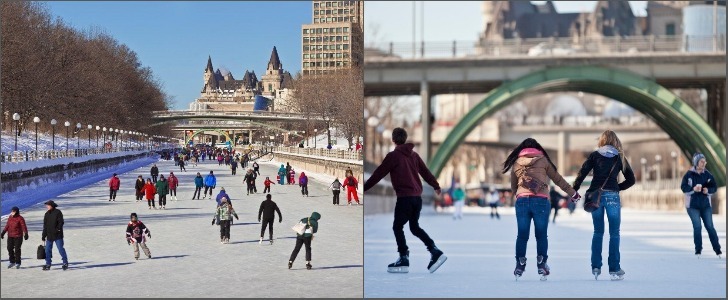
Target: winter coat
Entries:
(173, 182)
(249, 179)
(199, 182)
(336, 185)
(601, 161)
(162, 187)
(313, 228)
(15, 226)
(233, 165)
(405, 168)
(53, 225)
(139, 187)
(267, 208)
(219, 196)
(155, 171)
(210, 180)
(150, 191)
(114, 183)
(137, 231)
(351, 182)
(694, 199)
(458, 195)
(267, 182)
(225, 212)
(531, 172)
(288, 169)
(303, 179)
(255, 166)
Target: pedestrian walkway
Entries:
(188, 259)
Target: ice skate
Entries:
(437, 259)
(543, 268)
(308, 266)
(619, 275)
(290, 265)
(46, 268)
(260, 242)
(719, 254)
(400, 266)
(697, 254)
(271, 241)
(520, 267)
(17, 266)
(11, 265)
(596, 272)
(64, 267)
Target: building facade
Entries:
(335, 39)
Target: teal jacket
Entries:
(199, 182)
(313, 220)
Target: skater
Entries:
(458, 200)
(531, 168)
(698, 185)
(219, 159)
(292, 177)
(234, 166)
(256, 168)
(267, 184)
(336, 189)
(303, 183)
(162, 187)
(493, 200)
(282, 175)
(405, 166)
(606, 163)
(249, 180)
(222, 194)
(135, 231)
(210, 182)
(288, 172)
(555, 198)
(17, 231)
(114, 184)
(195, 159)
(305, 239)
(199, 183)
(53, 234)
(255, 177)
(173, 184)
(267, 208)
(154, 172)
(351, 186)
(139, 188)
(150, 191)
(223, 214)
(182, 165)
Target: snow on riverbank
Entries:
(9, 167)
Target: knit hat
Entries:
(697, 157)
(51, 203)
(15, 209)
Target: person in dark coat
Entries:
(305, 239)
(288, 172)
(53, 234)
(199, 183)
(267, 208)
(699, 185)
(234, 166)
(303, 183)
(162, 188)
(114, 184)
(17, 231)
(139, 188)
(336, 189)
(555, 198)
(154, 172)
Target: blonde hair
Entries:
(609, 137)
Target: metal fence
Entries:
(339, 154)
(555, 46)
(32, 155)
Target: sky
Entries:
(391, 21)
(174, 39)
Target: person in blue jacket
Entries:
(199, 183)
(210, 182)
(283, 175)
(698, 185)
(221, 195)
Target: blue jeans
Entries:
(707, 215)
(538, 209)
(610, 203)
(49, 251)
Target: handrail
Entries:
(325, 153)
(32, 155)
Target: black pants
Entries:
(173, 192)
(139, 195)
(256, 170)
(266, 189)
(225, 229)
(14, 244)
(300, 241)
(264, 224)
(162, 200)
(154, 177)
(208, 187)
(234, 170)
(336, 196)
(182, 168)
(304, 189)
(198, 189)
(112, 194)
(150, 202)
(250, 189)
(406, 210)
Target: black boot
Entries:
(401, 265)
(520, 267)
(543, 268)
(436, 260)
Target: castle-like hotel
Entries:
(222, 92)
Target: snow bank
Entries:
(10, 167)
(26, 141)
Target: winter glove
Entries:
(213, 221)
(2, 236)
(258, 220)
(128, 241)
(236, 217)
(149, 234)
(42, 239)
(25, 237)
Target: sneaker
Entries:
(290, 265)
(520, 267)
(436, 260)
(401, 265)
(596, 272)
(543, 268)
(618, 275)
(65, 267)
(11, 265)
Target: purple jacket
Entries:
(405, 166)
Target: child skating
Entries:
(135, 232)
(267, 184)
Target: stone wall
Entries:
(673, 200)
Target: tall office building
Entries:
(335, 39)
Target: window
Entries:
(341, 19)
(346, 46)
(338, 64)
(270, 87)
(334, 4)
(326, 47)
(305, 31)
(346, 55)
(328, 11)
(315, 4)
(318, 55)
(338, 30)
(328, 19)
(346, 29)
(305, 40)
(320, 47)
(315, 20)
(331, 30)
(346, 19)
(305, 48)
(326, 39)
(346, 38)
(338, 55)
(305, 56)
(346, 11)
(319, 39)
(315, 12)
(321, 12)
(343, 11)
(670, 29)
(306, 65)
(346, 63)
(338, 47)
(318, 30)
(328, 4)
(326, 30)
(338, 38)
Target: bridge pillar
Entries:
(562, 148)
(426, 143)
(250, 136)
(717, 107)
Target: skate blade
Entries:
(438, 263)
(398, 269)
(517, 277)
(617, 278)
(543, 277)
(596, 277)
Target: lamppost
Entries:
(644, 171)
(68, 124)
(658, 160)
(97, 136)
(89, 135)
(315, 137)
(306, 137)
(16, 118)
(673, 154)
(36, 120)
(78, 136)
(116, 137)
(104, 130)
(372, 122)
(271, 140)
(53, 126)
(121, 138)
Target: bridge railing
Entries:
(338, 154)
(175, 113)
(32, 155)
(556, 46)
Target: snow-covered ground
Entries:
(321, 141)
(26, 141)
(656, 254)
(9, 167)
(188, 259)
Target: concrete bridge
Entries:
(176, 115)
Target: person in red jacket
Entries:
(16, 229)
(267, 184)
(405, 168)
(351, 185)
(173, 184)
(150, 191)
(114, 184)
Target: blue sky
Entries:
(175, 38)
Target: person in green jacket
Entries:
(458, 200)
(224, 214)
(199, 183)
(162, 190)
(305, 239)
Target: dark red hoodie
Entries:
(404, 165)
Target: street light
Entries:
(78, 136)
(53, 126)
(36, 120)
(658, 160)
(104, 130)
(116, 137)
(16, 118)
(315, 137)
(305, 136)
(372, 123)
(89, 134)
(644, 170)
(97, 135)
(68, 124)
